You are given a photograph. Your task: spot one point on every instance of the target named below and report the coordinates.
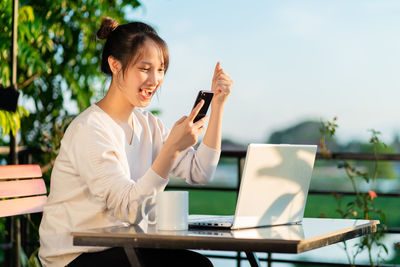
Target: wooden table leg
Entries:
(252, 258)
(134, 256)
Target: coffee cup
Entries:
(171, 210)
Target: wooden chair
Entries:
(22, 191)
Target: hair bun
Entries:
(107, 26)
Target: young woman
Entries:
(115, 154)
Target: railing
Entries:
(25, 155)
(240, 155)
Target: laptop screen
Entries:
(275, 184)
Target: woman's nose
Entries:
(154, 78)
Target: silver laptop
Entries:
(273, 191)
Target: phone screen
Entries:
(207, 97)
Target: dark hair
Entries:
(125, 42)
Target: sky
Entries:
(290, 60)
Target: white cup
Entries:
(171, 210)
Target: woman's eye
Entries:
(144, 69)
(161, 70)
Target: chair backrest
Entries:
(22, 190)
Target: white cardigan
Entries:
(99, 180)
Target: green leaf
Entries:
(23, 257)
(342, 164)
(25, 14)
(33, 259)
(384, 247)
(7, 125)
(365, 177)
(2, 123)
(10, 122)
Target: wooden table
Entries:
(311, 234)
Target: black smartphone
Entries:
(207, 97)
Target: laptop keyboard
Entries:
(210, 220)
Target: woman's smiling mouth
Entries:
(146, 93)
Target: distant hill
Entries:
(306, 132)
(227, 144)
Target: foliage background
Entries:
(58, 71)
(57, 46)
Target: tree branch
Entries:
(27, 82)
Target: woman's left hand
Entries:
(221, 85)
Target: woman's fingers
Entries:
(185, 133)
(223, 87)
(180, 120)
(223, 76)
(200, 123)
(196, 110)
(219, 75)
(201, 130)
(217, 70)
(224, 84)
(221, 80)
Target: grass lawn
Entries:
(325, 206)
(212, 202)
(223, 203)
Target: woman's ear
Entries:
(114, 64)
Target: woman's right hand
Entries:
(184, 133)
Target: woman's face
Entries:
(142, 79)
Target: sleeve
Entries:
(99, 163)
(195, 166)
